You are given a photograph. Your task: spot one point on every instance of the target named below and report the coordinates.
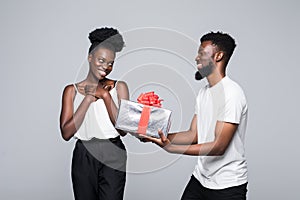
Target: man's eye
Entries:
(101, 61)
(110, 64)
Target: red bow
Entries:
(149, 99)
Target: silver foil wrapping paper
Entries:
(130, 114)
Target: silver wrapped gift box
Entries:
(138, 118)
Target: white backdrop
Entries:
(44, 43)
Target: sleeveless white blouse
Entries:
(96, 123)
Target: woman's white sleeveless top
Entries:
(96, 123)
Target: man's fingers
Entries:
(162, 136)
(146, 138)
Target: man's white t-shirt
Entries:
(223, 102)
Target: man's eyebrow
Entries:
(200, 49)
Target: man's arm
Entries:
(185, 137)
(224, 132)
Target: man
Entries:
(217, 130)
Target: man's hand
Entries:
(163, 141)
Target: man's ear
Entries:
(219, 56)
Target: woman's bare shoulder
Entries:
(69, 90)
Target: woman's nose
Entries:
(105, 65)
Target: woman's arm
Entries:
(123, 93)
(70, 121)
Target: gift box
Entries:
(143, 118)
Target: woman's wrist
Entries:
(91, 98)
(105, 95)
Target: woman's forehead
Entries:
(105, 53)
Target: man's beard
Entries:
(204, 71)
(198, 76)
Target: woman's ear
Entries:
(90, 58)
(219, 56)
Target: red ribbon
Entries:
(143, 124)
(148, 99)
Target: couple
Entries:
(216, 134)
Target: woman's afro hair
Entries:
(108, 37)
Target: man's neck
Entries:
(215, 78)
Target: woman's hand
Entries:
(97, 92)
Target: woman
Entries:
(88, 113)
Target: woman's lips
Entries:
(102, 72)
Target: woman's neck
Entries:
(92, 80)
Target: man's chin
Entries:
(198, 76)
(202, 74)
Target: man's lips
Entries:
(199, 66)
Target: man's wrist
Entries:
(177, 149)
(170, 148)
